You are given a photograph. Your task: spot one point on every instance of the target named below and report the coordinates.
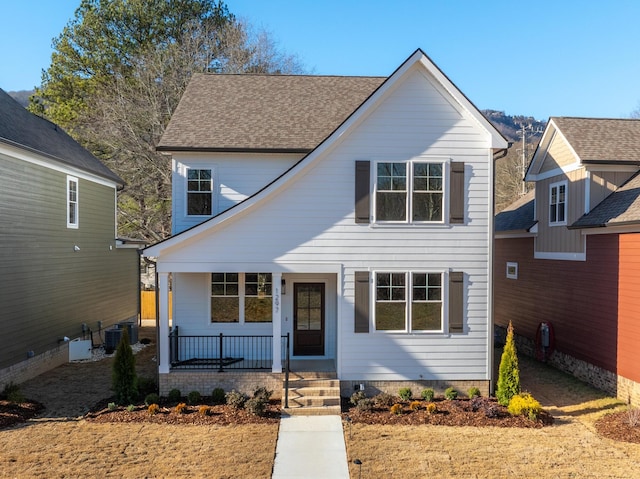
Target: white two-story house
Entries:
(336, 221)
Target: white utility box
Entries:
(79, 349)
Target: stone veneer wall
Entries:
(32, 367)
(607, 381)
(206, 381)
(373, 388)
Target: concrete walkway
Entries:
(310, 447)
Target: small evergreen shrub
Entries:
(147, 386)
(473, 392)
(415, 405)
(262, 393)
(383, 400)
(153, 409)
(428, 394)
(218, 396)
(405, 394)
(365, 405)
(450, 394)
(431, 408)
(194, 397)
(112, 406)
(508, 384)
(256, 406)
(357, 397)
(150, 399)
(396, 409)
(124, 380)
(524, 404)
(204, 410)
(236, 399)
(181, 408)
(11, 392)
(131, 408)
(175, 395)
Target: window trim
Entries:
(211, 169)
(444, 292)
(557, 185)
(76, 203)
(409, 190)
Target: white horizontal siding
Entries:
(312, 222)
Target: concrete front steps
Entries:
(312, 394)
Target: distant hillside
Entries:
(21, 96)
(510, 125)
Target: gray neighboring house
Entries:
(64, 272)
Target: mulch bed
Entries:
(458, 412)
(12, 413)
(216, 414)
(618, 426)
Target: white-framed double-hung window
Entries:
(408, 301)
(558, 203)
(199, 192)
(409, 192)
(72, 202)
(241, 298)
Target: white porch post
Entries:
(276, 279)
(163, 326)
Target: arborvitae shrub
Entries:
(450, 393)
(124, 381)
(405, 394)
(428, 394)
(509, 374)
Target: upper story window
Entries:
(409, 191)
(72, 202)
(199, 192)
(558, 203)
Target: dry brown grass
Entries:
(81, 449)
(571, 448)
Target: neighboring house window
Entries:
(225, 298)
(72, 202)
(425, 311)
(241, 297)
(412, 189)
(199, 192)
(258, 306)
(512, 270)
(558, 203)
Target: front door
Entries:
(308, 319)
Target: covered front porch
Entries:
(300, 330)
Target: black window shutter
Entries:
(456, 193)
(361, 323)
(456, 301)
(363, 180)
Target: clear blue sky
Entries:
(542, 58)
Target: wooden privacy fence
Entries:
(148, 304)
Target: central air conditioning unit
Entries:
(112, 338)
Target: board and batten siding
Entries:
(48, 288)
(236, 176)
(603, 183)
(312, 222)
(559, 239)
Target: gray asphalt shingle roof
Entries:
(619, 208)
(263, 112)
(518, 216)
(602, 140)
(21, 128)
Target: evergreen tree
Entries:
(124, 380)
(509, 373)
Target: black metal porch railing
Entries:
(224, 352)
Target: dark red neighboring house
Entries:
(567, 254)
